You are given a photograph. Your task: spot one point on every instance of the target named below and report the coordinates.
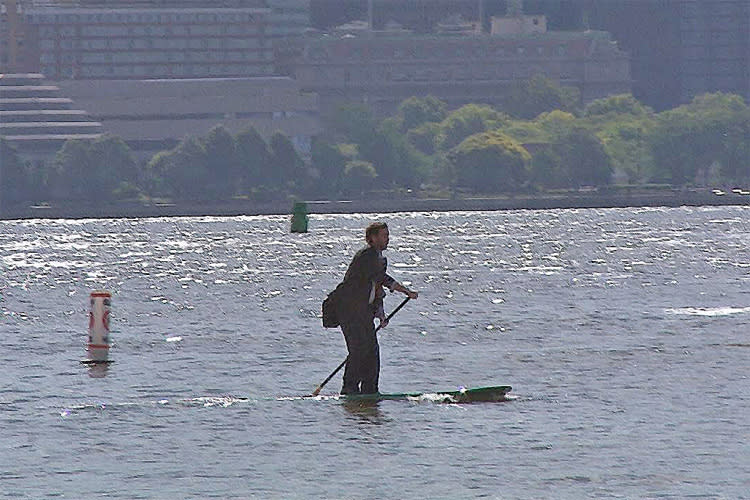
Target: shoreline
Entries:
(675, 198)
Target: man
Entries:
(358, 300)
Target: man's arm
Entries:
(401, 288)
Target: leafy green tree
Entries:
(354, 123)
(287, 167)
(253, 157)
(528, 99)
(92, 170)
(186, 173)
(14, 178)
(396, 161)
(416, 111)
(330, 162)
(423, 137)
(359, 176)
(585, 159)
(546, 167)
(688, 140)
(490, 162)
(157, 174)
(74, 176)
(468, 120)
(221, 162)
(621, 104)
(627, 144)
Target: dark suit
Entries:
(356, 311)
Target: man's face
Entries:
(380, 239)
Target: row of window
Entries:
(141, 17)
(157, 43)
(146, 31)
(157, 71)
(153, 57)
(430, 53)
(443, 74)
(258, 115)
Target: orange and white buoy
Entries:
(99, 341)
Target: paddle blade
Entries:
(317, 390)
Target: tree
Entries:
(354, 122)
(287, 168)
(490, 162)
(688, 140)
(620, 104)
(416, 111)
(423, 137)
(158, 172)
(468, 120)
(221, 162)
(585, 159)
(527, 99)
(330, 162)
(253, 157)
(14, 177)
(73, 176)
(92, 170)
(396, 161)
(359, 176)
(186, 173)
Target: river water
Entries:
(624, 333)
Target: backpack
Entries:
(330, 320)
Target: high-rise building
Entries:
(134, 39)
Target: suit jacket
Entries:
(352, 296)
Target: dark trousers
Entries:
(363, 364)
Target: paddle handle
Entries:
(320, 387)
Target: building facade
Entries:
(715, 47)
(153, 115)
(149, 39)
(382, 69)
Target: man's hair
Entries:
(374, 229)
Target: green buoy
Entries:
(299, 217)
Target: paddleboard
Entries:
(464, 395)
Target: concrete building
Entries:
(37, 118)
(153, 115)
(382, 68)
(100, 39)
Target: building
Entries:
(37, 118)
(679, 48)
(715, 38)
(14, 53)
(100, 39)
(153, 115)
(383, 68)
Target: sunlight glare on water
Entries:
(623, 333)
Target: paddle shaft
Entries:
(318, 389)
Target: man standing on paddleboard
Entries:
(357, 301)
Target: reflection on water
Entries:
(98, 370)
(366, 411)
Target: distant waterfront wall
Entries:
(379, 205)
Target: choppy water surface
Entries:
(623, 332)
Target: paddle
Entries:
(318, 389)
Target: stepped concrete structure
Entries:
(37, 118)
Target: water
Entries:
(623, 332)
